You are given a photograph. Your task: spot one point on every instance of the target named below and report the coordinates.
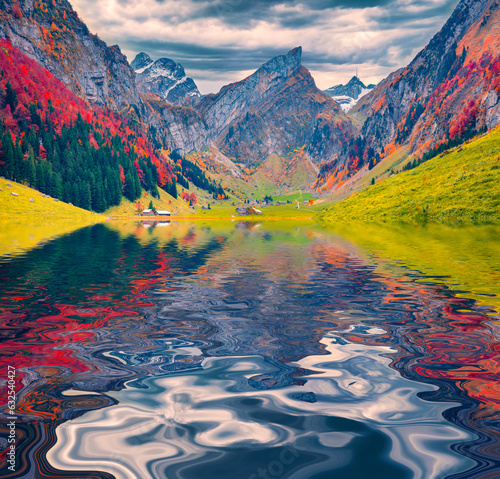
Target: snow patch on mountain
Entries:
(348, 95)
(164, 77)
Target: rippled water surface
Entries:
(240, 350)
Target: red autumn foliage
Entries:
(466, 118)
(34, 85)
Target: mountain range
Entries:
(275, 110)
(348, 95)
(449, 92)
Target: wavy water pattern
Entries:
(197, 351)
(353, 414)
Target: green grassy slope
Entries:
(19, 206)
(461, 187)
(284, 174)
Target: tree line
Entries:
(67, 166)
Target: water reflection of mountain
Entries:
(105, 305)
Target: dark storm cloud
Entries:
(260, 7)
(244, 12)
(220, 41)
(399, 15)
(189, 55)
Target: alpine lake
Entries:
(245, 350)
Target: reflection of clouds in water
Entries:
(195, 417)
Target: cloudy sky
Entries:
(221, 41)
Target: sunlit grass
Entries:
(21, 208)
(282, 212)
(25, 224)
(458, 188)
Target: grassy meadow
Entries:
(459, 187)
(19, 207)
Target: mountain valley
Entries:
(272, 132)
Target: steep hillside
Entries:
(285, 173)
(450, 89)
(277, 175)
(460, 186)
(86, 155)
(20, 202)
(51, 33)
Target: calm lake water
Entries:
(246, 350)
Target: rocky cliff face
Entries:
(275, 110)
(52, 34)
(449, 88)
(237, 98)
(348, 95)
(165, 78)
(295, 115)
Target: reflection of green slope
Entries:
(17, 237)
(466, 257)
(460, 187)
(279, 251)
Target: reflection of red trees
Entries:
(462, 350)
(50, 344)
(454, 346)
(441, 342)
(188, 239)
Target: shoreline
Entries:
(198, 218)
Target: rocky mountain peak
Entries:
(282, 65)
(355, 81)
(142, 60)
(164, 77)
(226, 106)
(348, 95)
